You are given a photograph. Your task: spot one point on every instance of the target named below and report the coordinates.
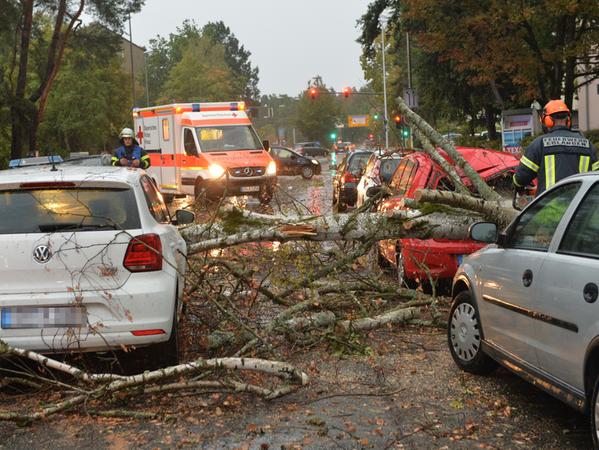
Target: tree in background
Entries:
(35, 56)
(90, 101)
(202, 73)
(166, 54)
(495, 54)
(317, 118)
(275, 118)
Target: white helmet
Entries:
(126, 132)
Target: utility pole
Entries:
(131, 55)
(385, 115)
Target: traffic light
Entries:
(333, 136)
(405, 132)
(376, 117)
(313, 93)
(397, 120)
(371, 136)
(346, 92)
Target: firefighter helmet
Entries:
(554, 107)
(126, 133)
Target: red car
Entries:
(418, 260)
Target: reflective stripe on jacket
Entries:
(555, 156)
(131, 153)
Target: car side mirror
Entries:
(486, 232)
(184, 217)
(266, 145)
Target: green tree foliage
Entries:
(40, 32)
(511, 52)
(317, 119)
(168, 53)
(201, 74)
(91, 99)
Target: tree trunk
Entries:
(481, 187)
(18, 107)
(490, 119)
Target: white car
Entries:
(378, 171)
(528, 301)
(90, 261)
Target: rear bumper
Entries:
(145, 302)
(439, 259)
(348, 194)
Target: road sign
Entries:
(358, 121)
(410, 97)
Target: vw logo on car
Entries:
(42, 254)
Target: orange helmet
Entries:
(553, 107)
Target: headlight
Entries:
(216, 170)
(271, 169)
(314, 162)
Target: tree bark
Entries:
(18, 106)
(343, 227)
(479, 184)
(447, 168)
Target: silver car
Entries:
(529, 302)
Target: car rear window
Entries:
(53, 210)
(403, 176)
(387, 169)
(358, 162)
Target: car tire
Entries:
(339, 207)
(464, 336)
(157, 356)
(400, 272)
(594, 413)
(307, 172)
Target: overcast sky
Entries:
(291, 41)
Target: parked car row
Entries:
(417, 261)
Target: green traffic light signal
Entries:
(406, 132)
(376, 117)
(333, 136)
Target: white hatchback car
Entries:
(529, 300)
(378, 171)
(90, 261)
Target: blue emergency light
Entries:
(195, 107)
(36, 161)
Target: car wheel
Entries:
(307, 172)
(157, 356)
(339, 207)
(400, 272)
(594, 412)
(464, 336)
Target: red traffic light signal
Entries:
(346, 92)
(313, 93)
(397, 120)
(371, 136)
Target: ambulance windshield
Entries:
(228, 138)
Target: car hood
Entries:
(239, 158)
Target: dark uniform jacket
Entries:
(131, 153)
(555, 156)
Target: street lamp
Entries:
(383, 19)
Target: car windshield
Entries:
(52, 210)
(227, 138)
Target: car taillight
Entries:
(349, 177)
(144, 254)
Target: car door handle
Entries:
(590, 292)
(527, 278)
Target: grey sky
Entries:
(290, 40)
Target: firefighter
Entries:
(130, 154)
(556, 154)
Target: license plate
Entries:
(16, 317)
(460, 258)
(250, 188)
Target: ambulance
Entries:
(205, 149)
